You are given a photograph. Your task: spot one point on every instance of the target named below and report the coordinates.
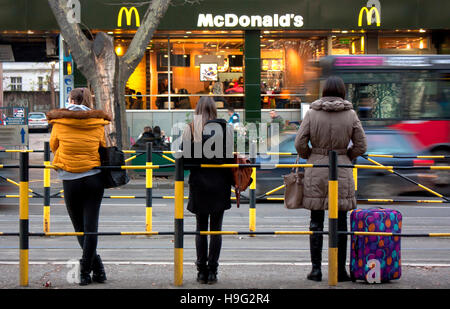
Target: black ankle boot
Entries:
(316, 273)
(85, 272)
(212, 275)
(202, 274)
(98, 271)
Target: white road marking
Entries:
(168, 263)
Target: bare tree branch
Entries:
(136, 50)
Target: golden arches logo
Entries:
(369, 14)
(128, 15)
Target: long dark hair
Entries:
(334, 87)
(206, 108)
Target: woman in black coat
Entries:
(208, 140)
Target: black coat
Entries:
(210, 188)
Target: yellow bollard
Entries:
(252, 192)
(252, 207)
(23, 220)
(179, 217)
(46, 223)
(332, 219)
(148, 188)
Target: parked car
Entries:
(37, 121)
(371, 183)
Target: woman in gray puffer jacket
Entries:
(330, 124)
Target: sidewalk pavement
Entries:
(141, 275)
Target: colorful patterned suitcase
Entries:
(375, 258)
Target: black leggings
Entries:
(83, 198)
(201, 241)
(318, 217)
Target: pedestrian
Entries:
(209, 188)
(145, 137)
(159, 139)
(330, 124)
(275, 118)
(234, 116)
(78, 132)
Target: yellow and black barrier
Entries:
(372, 200)
(148, 189)
(169, 233)
(332, 219)
(179, 232)
(23, 219)
(252, 192)
(46, 223)
(409, 179)
(179, 222)
(35, 194)
(265, 153)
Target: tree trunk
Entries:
(107, 87)
(103, 69)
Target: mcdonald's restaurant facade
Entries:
(253, 55)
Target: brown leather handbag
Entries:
(242, 176)
(293, 191)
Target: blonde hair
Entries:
(82, 96)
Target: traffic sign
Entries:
(68, 87)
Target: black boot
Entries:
(85, 272)
(315, 245)
(212, 275)
(342, 249)
(202, 274)
(98, 270)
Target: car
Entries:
(37, 121)
(371, 183)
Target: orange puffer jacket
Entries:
(76, 137)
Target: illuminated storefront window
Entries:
(198, 63)
(288, 73)
(348, 45)
(403, 43)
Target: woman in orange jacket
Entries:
(77, 134)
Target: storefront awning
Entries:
(23, 15)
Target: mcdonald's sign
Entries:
(128, 13)
(369, 14)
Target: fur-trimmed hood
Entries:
(331, 104)
(77, 114)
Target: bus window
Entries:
(421, 95)
(374, 95)
(443, 98)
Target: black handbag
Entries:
(113, 177)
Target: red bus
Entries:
(406, 92)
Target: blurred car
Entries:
(37, 121)
(371, 183)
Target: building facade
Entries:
(253, 55)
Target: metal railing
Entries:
(178, 232)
